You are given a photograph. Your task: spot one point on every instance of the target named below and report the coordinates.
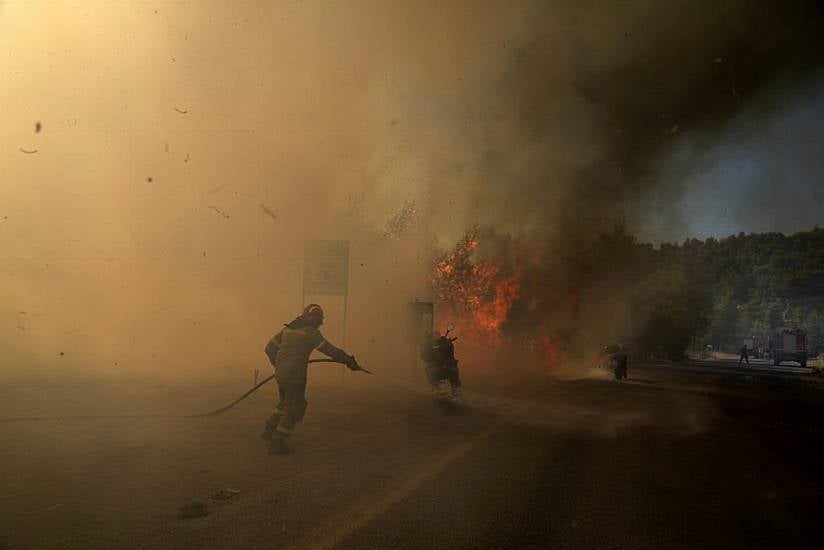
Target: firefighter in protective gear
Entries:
(439, 356)
(289, 352)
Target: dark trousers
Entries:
(436, 373)
(744, 357)
(290, 409)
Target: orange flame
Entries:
(474, 293)
(550, 352)
(478, 295)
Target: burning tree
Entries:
(476, 292)
(496, 297)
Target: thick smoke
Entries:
(565, 137)
(188, 149)
(763, 172)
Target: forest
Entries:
(716, 291)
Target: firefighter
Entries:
(289, 352)
(620, 359)
(439, 356)
(745, 355)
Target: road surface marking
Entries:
(342, 525)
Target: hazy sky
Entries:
(763, 172)
(155, 222)
(135, 238)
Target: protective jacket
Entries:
(438, 352)
(289, 352)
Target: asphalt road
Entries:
(692, 456)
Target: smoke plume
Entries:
(183, 152)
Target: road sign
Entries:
(326, 268)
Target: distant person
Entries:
(745, 355)
(620, 359)
(289, 352)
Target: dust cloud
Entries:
(161, 164)
(187, 150)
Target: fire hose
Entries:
(201, 415)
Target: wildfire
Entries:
(475, 293)
(478, 293)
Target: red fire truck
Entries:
(789, 344)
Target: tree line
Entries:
(714, 291)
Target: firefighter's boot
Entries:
(278, 445)
(270, 426)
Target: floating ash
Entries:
(400, 224)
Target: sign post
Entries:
(326, 268)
